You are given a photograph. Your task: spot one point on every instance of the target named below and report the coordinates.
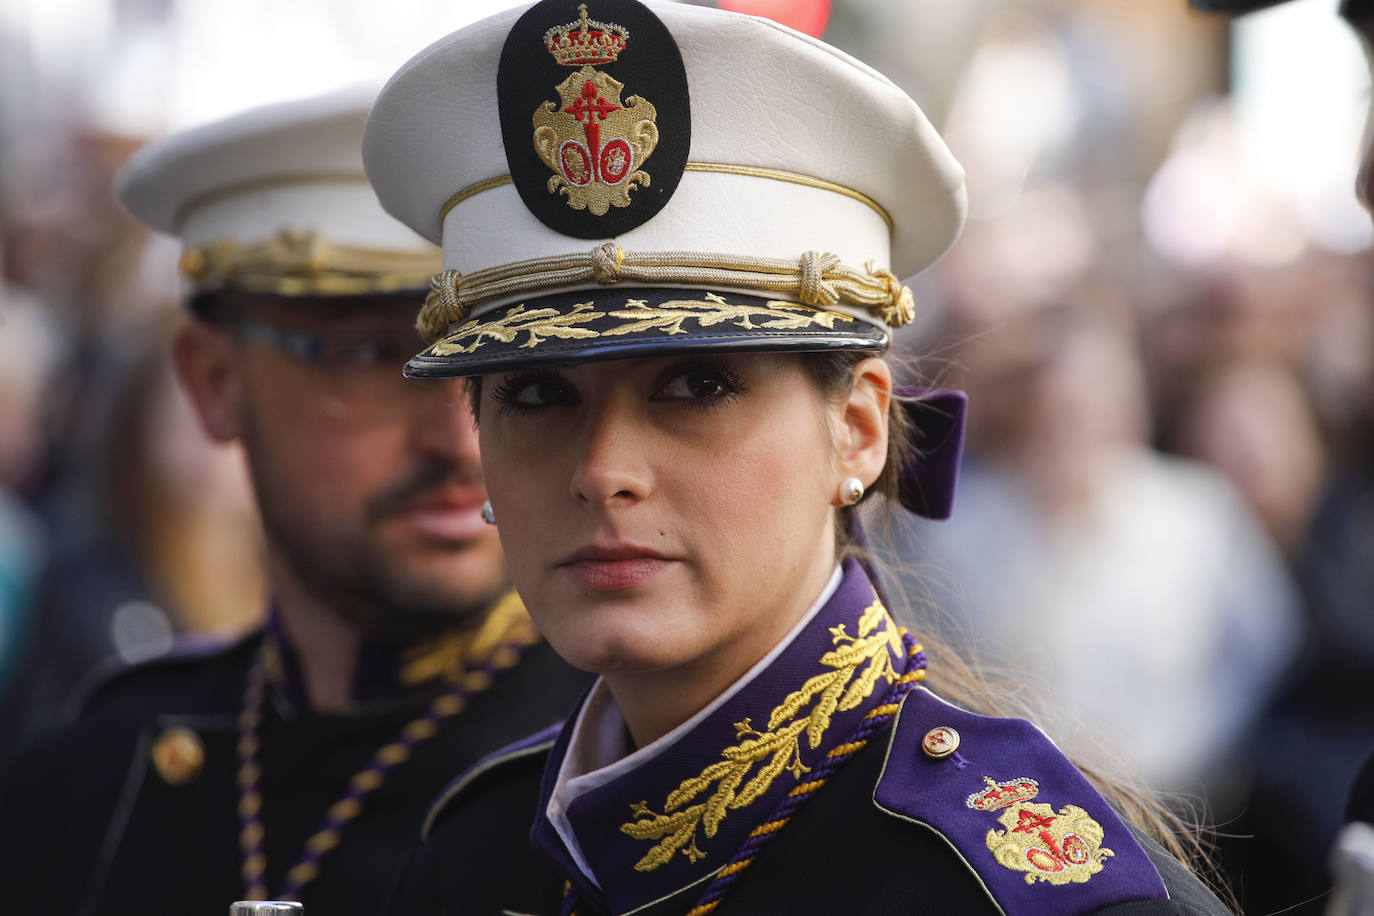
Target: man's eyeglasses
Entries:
(357, 374)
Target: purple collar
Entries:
(678, 818)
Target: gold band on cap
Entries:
(302, 263)
(794, 178)
(816, 279)
(722, 168)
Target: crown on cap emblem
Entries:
(1003, 794)
(586, 41)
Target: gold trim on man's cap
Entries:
(303, 263)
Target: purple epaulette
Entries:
(531, 745)
(1036, 833)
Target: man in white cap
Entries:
(295, 763)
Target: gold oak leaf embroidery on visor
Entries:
(856, 664)
(667, 317)
(540, 324)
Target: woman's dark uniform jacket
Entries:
(92, 826)
(895, 830)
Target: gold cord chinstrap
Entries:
(816, 279)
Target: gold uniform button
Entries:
(178, 755)
(940, 742)
(193, 263)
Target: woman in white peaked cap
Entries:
(672, 238)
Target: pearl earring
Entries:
(488, 515)
(851, 490)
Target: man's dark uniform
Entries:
(206, 777)
(99, 820)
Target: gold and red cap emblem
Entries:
(577, 143)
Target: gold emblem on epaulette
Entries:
(1060, 847)
(178, 755)
(595, 144)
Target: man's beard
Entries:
(359, 582)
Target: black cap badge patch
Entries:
(581, 160)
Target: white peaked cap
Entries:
(287, 171)
(795, 147)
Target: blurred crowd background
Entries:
(1160, 310)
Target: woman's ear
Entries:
(208, 368)
(864, 426)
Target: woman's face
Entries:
(657, 513)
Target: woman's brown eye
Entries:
(704, 386)
(534, 392)
(540, 392)
(701, 387)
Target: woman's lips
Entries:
(613, 567)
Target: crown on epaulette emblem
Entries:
(586, 41)
(999, 795)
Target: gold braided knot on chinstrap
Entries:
(816, 279)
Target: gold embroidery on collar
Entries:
(454, 655)
(856, 663)
(638, 316)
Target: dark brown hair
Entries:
(960, 680)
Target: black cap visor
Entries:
(589, 325)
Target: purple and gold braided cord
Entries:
(251, 831)
(366, 781)
(877, 719)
